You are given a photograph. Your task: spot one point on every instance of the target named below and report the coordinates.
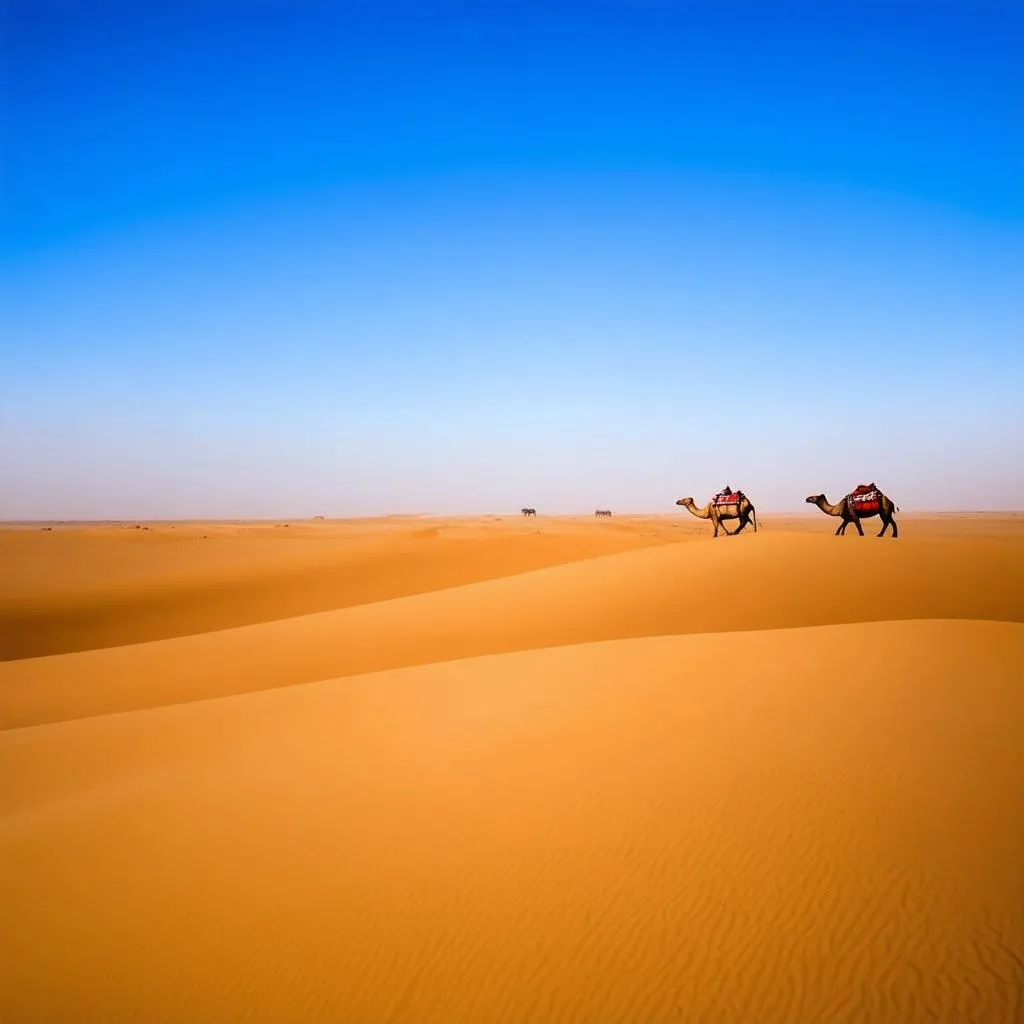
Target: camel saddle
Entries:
(866, 498)
(727, 499)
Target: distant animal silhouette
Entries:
(603, 512)
(528, 511)
(727, 504)
(862, 503)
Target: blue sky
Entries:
(266, 259)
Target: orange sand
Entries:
(513, 770)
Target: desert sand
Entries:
(494, 769)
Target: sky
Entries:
(266, 258)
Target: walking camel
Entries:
(727, 504)
(603, 512)
(863, 503)
(528, 511)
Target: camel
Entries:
(603, 512)
(734, 505)
(528, 511)
(863, 503)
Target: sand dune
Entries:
(79, 588)
(73, 590)
(462, 770)
(616, 831)
(784, 580)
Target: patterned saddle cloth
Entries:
(727, 499)
(866, 498)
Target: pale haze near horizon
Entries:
(468, 260)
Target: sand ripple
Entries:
(616, 831)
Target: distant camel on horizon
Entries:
(528, 511)
(603, 512)
(864, 502)
(727, 504)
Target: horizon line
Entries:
(113, 521)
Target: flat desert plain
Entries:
(497, 769)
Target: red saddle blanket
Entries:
(866, 498)
(728, 499)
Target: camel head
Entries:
(685, 501)
(814, 499)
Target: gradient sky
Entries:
(273, 258)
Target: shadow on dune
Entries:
(781, 581)
(207, 598)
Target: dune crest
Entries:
(81, 589)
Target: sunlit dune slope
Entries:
(769, 581)
(798, 825)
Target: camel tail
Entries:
(753, 512)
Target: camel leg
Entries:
(885, 526)
(739, 529)
(895, 528)
(860, 529)
(840, 529)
